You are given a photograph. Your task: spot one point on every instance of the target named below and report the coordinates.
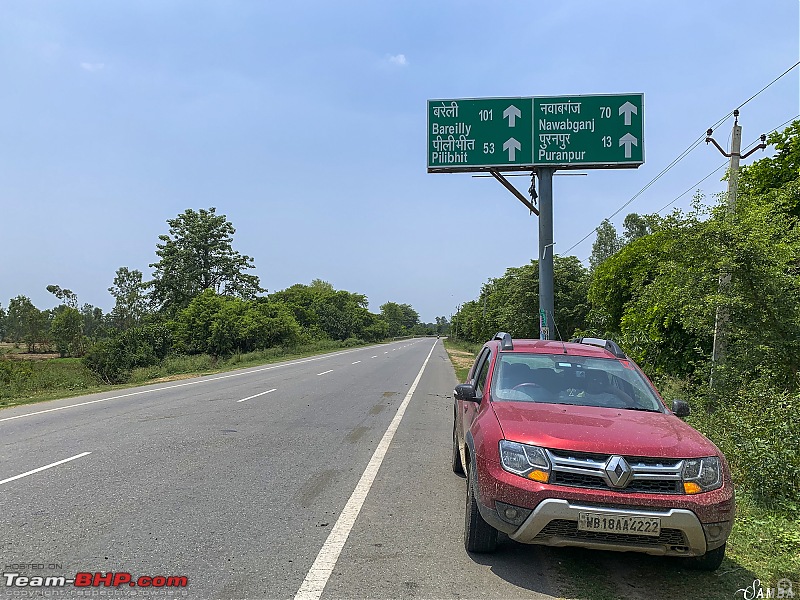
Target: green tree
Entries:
(67, 332)
(635, 226)
(220, 325)
(93, 321)
(26, 323)
(775, 172)
(605, 244)
(2, 324)
(198, 255)
(400, 318)
(511, 303)
(130, 300)
(67, 297)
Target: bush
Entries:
(759, 433)
(143, 346)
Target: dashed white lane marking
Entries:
(55, 464)
(257, 395)
(320, 571)
(376, 356)
(177, 385)
(355, 363)
(326, 372)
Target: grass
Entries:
(27, 382)
(764, 544)
(22, 382)
(462, 355)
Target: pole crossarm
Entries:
(761, 146)
(508, 185)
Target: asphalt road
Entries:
(237, 481)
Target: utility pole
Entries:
(546, 302)
(723, 317)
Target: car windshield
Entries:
(560, 379)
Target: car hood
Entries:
(601, 430)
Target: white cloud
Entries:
(399, 60)
(92, 67)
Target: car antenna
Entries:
(560, 339)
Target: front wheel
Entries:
(479, 536)
(710, 561)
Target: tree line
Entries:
(656, 290)
(202, 299)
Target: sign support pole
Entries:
(546, 302)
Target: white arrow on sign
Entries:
(626, 140)
(627, 109)
(511, 113)
(512, 146)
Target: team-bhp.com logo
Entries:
(97, 579)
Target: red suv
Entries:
(569, 444)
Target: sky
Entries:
(305, 124)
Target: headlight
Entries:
(527, 461)
(701, 475)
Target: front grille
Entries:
(654, 486)
(587, 470)
(578, 480)
(569, 529)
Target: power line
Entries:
(781, 126)
(769, 84)
(680, 157)
(693, 187)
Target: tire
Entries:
(458, 468)
(479, 536)
(710, 561)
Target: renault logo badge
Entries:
(618, 472)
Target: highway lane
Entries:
(237, 487)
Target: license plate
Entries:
(619, 524)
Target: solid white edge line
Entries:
(257, 395)
(170, 387)
(319, 573)
(325, 372)
(55, 464)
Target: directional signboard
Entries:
(488, 132)
(599, 131)
(589, 131)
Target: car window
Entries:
(480, 381)
(476, 366)
(559, 379)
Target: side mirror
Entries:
(680, 408)
(465, 391)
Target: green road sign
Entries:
(470, 135)
(597, 131)
(589, 131)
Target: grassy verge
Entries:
(764, 545)
(27, 382)
(462, 355)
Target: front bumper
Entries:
(554, 523)
(550, 515)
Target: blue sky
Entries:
(305, 124)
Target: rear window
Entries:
(560, 379)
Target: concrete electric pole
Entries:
(722, 318)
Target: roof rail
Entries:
(609, 345)
(505, 340)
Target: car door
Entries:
(479, 375)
